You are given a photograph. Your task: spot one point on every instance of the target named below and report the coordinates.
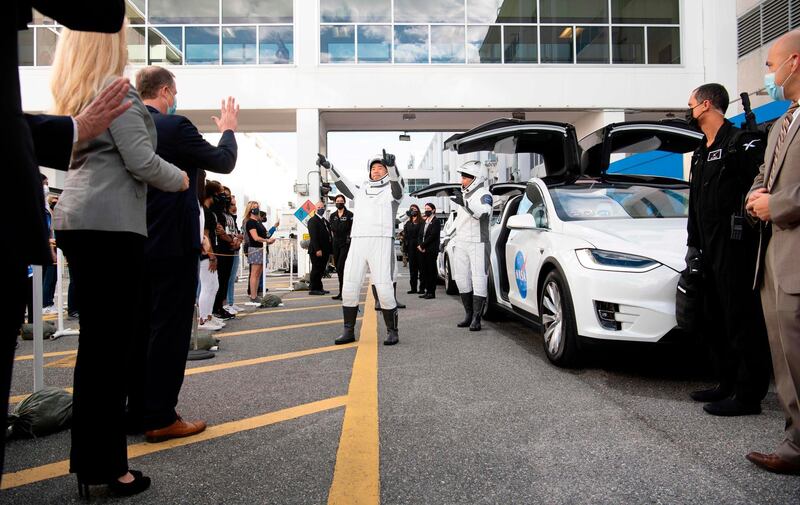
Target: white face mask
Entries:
(46, 190)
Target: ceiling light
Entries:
(566, 33)
(409, 116)
(405, 137)
(518, 115)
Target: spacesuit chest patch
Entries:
(487, 199)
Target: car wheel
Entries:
(559, 330)
(491, 312)
(449, 283)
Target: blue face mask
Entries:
(774, 90)
(172, 108)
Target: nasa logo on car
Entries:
(520, 275)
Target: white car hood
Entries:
(663, 240)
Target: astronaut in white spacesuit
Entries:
(374, 204)
(471, 242)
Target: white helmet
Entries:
(476, 170)
(378, 158)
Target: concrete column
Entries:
(594, 120)
(308, 145)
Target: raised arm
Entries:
(395, 179)
(344, 186)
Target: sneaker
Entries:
(230, 309)
(236, 308)
(224, 315)
(209, 326)
(217, 321)
(50, 309)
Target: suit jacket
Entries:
(106, 186)
(429, 240)
(173, 219)
(319, 236)
(784, 206)
(411, 232)
(30, 141)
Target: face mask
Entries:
(693, 121)
(774, 90)
(340, 205)
(320, 211)
(172, 108)
(255, 211)
(414, 213)
(46, 190)
(428, 213)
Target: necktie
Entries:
(787, 122)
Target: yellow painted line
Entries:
(19, 398)
(267, 359)
(277, 328)
(29, 357)
(297, 309)
(67, 362)
(356, 477)
(61, 468)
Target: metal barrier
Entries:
(61, 331)
(281, 259)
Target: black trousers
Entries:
(339, 260)
(318, 265)
(161, 346)
(224, 268)
(99, 445)
(415, 267)
(15, 280)
(430, 272)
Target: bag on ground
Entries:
(42, 413)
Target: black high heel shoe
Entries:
(139, 483)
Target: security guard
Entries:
(722, 171)
(341, 224)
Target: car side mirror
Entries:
(521, 222)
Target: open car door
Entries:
(599, 149)
(556, 143)
(444, 189)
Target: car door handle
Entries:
(541, 250)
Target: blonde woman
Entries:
(255, 234)
(100, 225)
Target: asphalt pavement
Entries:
(457, 417)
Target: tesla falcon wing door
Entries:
(507, 188)
(444, 189)
(599, 150)
(554, 144)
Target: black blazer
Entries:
(173, 219)
(30, 141)
(319, 236)
(411, 233)
(430, 240)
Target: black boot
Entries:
(390, 318)
(349, 334)
(477, 312)
(399, 305)
(466, 299)
(377, 300)
(715, 394)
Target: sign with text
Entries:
(304, 213)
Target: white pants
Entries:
(209, 284)
(471, 267)
(377, 253)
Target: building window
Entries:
(46, 39)
(661, 12)
(25, 47)
(521, 44)
(416, 184)
(411, 44)
(183, 11)
(355, 11)
(627, 44)
(337, 44)
(257, 11)
(137, 48)
(501, 11)
(591, 44)
(165, 45)
(447, 44)
(484, 44)
(275, 44)
(557, 44)
(573, 11)
(238, 45)
(663, 45)
(202, 45)
(375, 44)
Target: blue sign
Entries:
(521, 275)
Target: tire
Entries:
(450, 285)
(491, 312)
(559, 331)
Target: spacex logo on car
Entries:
(521, 276)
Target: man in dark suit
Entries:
(319, 249)
(30, 141)
(429, 237)
(173, 252)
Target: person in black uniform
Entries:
(722, 171)
(341, 223)
(428, 246)
(319, 249)
(411, 235)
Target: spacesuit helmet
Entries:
(476, 170)
(372, 161)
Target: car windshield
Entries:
(603, 201)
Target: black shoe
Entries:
(477, 312)
(466, 300)
(224, 315)
(411, 292)
(316, 293)
(349, 315)
(401, 305)
(325, 291)
(430, 296)
(390, 318)
(714, 394)
(139, 483)
(73, 315)
(730, 407)
(337, 297)
(423, 295)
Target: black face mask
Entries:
(689, 116)
(339, 205)
(428, 213)
(255, 211)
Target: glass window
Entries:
(425, 11)
(355, 11)
(337, 44)
(556, 44)
(257, 11)
(483, 44)
(202, 45)
(375, 44)
(627, 44)
(447, 44)
(275, 44)
(134, 11)
(574, 11)
(25, 47)
(46, 39)
(663, 45)
(601, 201)
(184, 11)
(238, 45)
(501, 11)
(137, 51)
(410, 44)
(166, 45)
(416, 184)
(591, 44)
(663, 12)
(41, 19)
(521, 44)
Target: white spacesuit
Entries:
(374, 205)
(471, 243)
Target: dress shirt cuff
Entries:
(74, 130)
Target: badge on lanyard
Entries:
(715, 155)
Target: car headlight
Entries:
(598, 259)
